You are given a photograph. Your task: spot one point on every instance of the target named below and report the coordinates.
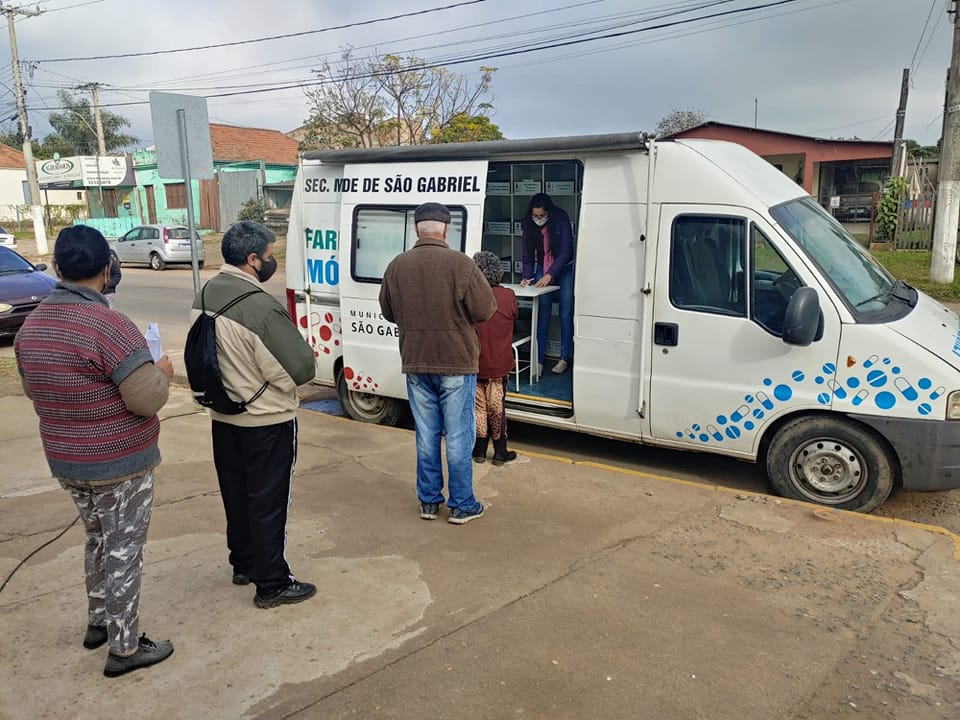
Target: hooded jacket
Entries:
(257, 342)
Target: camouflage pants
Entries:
(116, 518)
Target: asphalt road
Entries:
(165, 298)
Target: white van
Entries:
(717, 307)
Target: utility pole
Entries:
(898, 131)
(36, 210)
(947, 216)
(94, 89)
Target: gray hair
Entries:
(243, 238)
(489, 264)
(431, 226)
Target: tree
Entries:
(74, 128)
(677, 121)
(393, 100)
(916, 150)
(467, 128)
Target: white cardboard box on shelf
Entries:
(560, 187)
(526, 187)
(518, 266)
(498, 188)
(497, 226)
(518, 228)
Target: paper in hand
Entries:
(153, 341)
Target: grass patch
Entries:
(913, 267)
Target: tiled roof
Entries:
(10, 158)
(234, 144)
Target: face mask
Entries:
(540, 221)
(267, 269)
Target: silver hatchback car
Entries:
(157, 246)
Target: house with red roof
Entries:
(245, 161)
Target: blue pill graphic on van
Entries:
(738, 414)
(876, 378)
(748, 398)
(733, 432)
(906, 389)
(696, 428)
(748, 425)
(765, 401)
(853, 383)
(721, 419)
(704, 437)
(782, 393)
(715, 433)
(871, 361)
(937, 393)
(768, 382)
(885, 400)
(924, 409)
(758, 414)
(798, 376)
(679, 434)
(829, 368)
(837, 389)
(860, 397)
(823, 399)
(924, 383)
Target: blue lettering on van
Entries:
(323, 272)
(321, 239)
(956, 343)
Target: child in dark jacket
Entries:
(496, 362)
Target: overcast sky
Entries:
(828, 68)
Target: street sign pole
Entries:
(188, 189)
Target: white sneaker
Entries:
(560, 367)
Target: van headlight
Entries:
(5, 307)
(953, 405)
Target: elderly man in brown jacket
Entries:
(435, 294)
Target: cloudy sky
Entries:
(829, 68)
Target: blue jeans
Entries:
(565, 293)
(443, 405)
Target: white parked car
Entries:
(7, 239)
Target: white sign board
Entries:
(835, 201)
(164, 110)
(83, 170)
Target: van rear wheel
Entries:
(830, 462)
(367, 407)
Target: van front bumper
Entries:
(928, 450)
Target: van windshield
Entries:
(864, 284)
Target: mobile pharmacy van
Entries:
(717, 307)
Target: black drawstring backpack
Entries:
(203, 367)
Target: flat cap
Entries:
(432, 211)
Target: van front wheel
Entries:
(830, 462)
(367, 407)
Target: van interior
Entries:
(510, 186)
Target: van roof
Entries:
(485, 150)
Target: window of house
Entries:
(380, 233)
(707, 261)
(176, 195)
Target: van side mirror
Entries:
(802, 322)
(40, 266)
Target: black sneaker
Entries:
(148, 653)
(429, 511)
(293, 593)
(241, 579)
(95, 637)
(459, 516)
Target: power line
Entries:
(489, 55)
(923, 32)
(266, 39)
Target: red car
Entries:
(22, 286)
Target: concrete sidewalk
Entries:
(583, 593)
